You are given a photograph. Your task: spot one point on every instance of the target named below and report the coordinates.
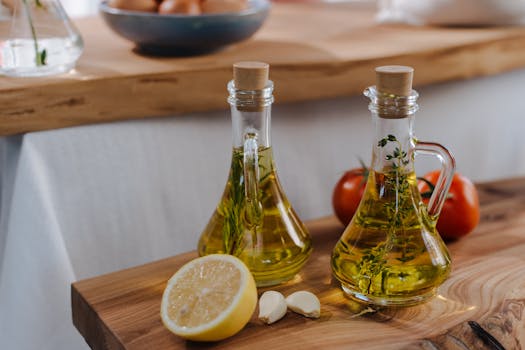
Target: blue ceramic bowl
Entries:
(183, 35)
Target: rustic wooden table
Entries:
(121, 310)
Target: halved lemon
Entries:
(210, 298)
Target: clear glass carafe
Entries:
(391, 253)
(37, 39)
(254, 220)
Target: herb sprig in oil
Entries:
(397, 207)
(233, 210)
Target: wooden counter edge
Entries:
(62, 105)
(88, 323)
(85, 316)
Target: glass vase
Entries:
(37, 39)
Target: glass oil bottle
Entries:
(391, 253)
(254, 220)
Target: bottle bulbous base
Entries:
(274, 245)
(371, 274)
(271, 253)
(391, 254)
(271, 276)
(392, 284)
(391, 301)
(270, 267)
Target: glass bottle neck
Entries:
(394, 142)
(251, 114)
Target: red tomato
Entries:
(460, 213)
(347, 194)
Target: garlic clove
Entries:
(272, 307)
(304, 303)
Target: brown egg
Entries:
(10, 4)
(134, 5)
(189, 7)
(221, 6)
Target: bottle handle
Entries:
(253, 206)
(448, 166)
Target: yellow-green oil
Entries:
(391, 253)
(277, 246)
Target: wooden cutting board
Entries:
(487, 285)
(316, 51)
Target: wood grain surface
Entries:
(316, 51)
(487, 285)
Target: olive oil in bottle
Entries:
(391, 253)
(383, 253)
(254, 220)
(275, 248)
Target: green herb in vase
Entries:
(41, 40)
(40, 55)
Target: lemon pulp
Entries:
(209, 298)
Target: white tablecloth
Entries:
(84, 201)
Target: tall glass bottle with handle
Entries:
(391, 252)
(254, 220)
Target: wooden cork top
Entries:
(250, 75)
(396, 80)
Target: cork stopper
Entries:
(396, 80)
(250, 75)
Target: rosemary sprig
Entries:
(233, 210)
(40, 56)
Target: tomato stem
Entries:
(431, 186)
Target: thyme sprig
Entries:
(398, 210)
(40, 55)
(397, 187)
